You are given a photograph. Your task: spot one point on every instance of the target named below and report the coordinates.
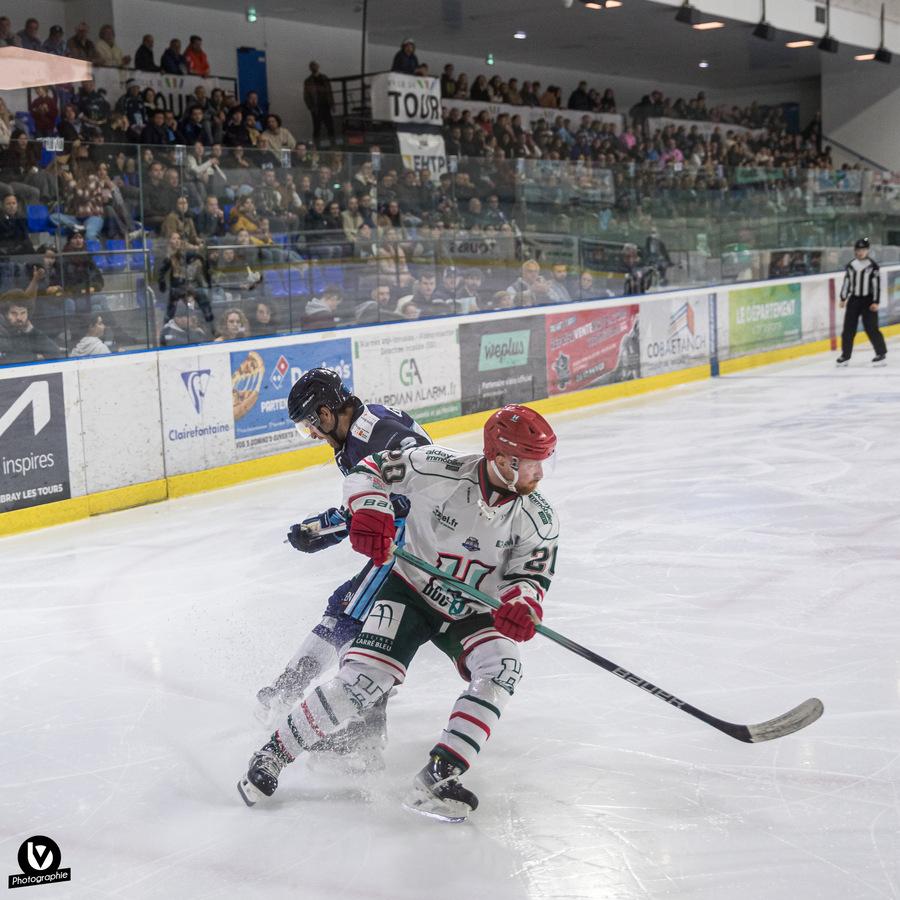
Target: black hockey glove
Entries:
(307, 535)
(401, 506)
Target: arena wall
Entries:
(85, 436)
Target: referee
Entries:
(860, 294)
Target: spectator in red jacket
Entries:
(197, 62)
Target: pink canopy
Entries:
(27, 68)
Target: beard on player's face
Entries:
(526, 473)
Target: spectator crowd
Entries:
(242, 229)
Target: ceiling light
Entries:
(686, 14)
(612, 4)
(763, 29)
(703, 64)
(864, 57)
(520, 35)
(795, 45)
(708, 26)
(594, 5)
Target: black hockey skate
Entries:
(843, 360)
(879, 359)
(279, 698)
(437, 792)
(261, 779)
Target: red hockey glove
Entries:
(517, 618)
(372, 527)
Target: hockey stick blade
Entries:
(793, 720)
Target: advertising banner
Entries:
(502, 361)
(406, 98)
(176, 91)
(833, 188)
(658, 123)
(197, 417)
(260, 383)
(530, 115)
(423, 151)
(416, 371)
(891, 301)
(762, 317)
(592, 347)
(34, 448)
(674, 334)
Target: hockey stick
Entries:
(315, 529)
(793, 720)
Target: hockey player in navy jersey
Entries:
(478, 517)
(321, 407)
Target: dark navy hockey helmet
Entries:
(313, 390)
(862, 244)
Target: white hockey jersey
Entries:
(462, 524)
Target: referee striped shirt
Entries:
(861, 280)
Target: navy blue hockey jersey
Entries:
(376, 428)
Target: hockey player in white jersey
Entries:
(480, 518)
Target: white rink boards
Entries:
(734, 541)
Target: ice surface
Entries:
(737, 542)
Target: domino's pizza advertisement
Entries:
(592, 347)
(261, 380)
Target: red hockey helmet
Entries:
(518, 431)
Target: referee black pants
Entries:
(856, 307)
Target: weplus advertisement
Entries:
(416, 371)
(674, 334)
(762, 317)
(502, 361)
(34, 449)
(261, 381)
(592, 347)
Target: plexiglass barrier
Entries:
(108, 247)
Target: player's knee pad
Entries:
(365, 681)
(493, 663)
